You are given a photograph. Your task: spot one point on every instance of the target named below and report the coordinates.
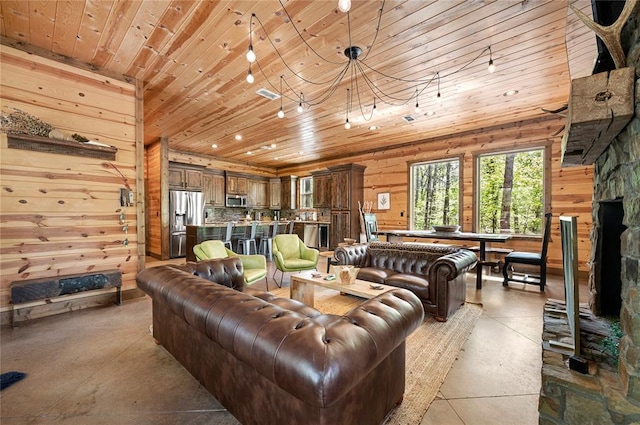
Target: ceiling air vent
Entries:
(269, 95)
(408, 118)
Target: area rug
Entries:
(431, 351)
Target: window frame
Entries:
(410, 200)
(546, 176)
(303, 193)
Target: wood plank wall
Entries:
(152, 182)
(387, 171)
(60, 214)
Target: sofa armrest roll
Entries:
(450, 266)
(355, 255)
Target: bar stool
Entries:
(246, 241)
(290, 227)
(266, 243)
(227, 238)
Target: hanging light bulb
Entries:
(374, 109)
(491, 68)
(281, 112)
(251, 56)
(344, 5)
(417, 109)
(438, 97)
(250, 78)
(347, 124)
(300, 104)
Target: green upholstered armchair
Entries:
(254, 266)
(292, 255)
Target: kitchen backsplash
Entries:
(236, 214)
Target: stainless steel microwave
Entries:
(236, 201)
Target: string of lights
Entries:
(399, 91)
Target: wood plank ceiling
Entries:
(191, 57)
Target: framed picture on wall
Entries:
(384, 202)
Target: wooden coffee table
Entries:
(302, 287)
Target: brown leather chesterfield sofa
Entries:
(435, 273)
(272, 360)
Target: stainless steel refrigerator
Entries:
(184, 208)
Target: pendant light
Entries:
(344, 5)
(251, 56)
(281, 111)
(347, 124)
(300, 109)
(491, 68)
(250, 78)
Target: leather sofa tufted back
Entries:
(403, 258)
(223, 271)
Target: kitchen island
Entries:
(217, 231)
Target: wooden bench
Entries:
(25, 291)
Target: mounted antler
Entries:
(557, 111)
(610, 35)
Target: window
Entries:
(435, 189)
(511, 192)
(306, 192)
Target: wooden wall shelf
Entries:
(62, 147)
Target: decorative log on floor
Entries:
(601, 105)
(46, 288)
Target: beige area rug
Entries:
(431, 351)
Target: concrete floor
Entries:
(100, 366)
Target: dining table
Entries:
(482, 238)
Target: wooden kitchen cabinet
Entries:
(185, 178)
(347, 188)
(257, 193)
(275, 192)
(218, 196)
(340, 227)
(288, 195)
(213, 189)
(322, 189)
(341, 190)
(237, 185)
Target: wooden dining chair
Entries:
(531, 259)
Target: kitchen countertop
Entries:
(263, 222)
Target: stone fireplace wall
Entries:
(605, 395)
(617, 176)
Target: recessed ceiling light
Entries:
(373, 127)
(273, 145)
(275, 158)
(214, 146)
(238, 136)
(249, 152)
(431, 113)
(510, 93)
